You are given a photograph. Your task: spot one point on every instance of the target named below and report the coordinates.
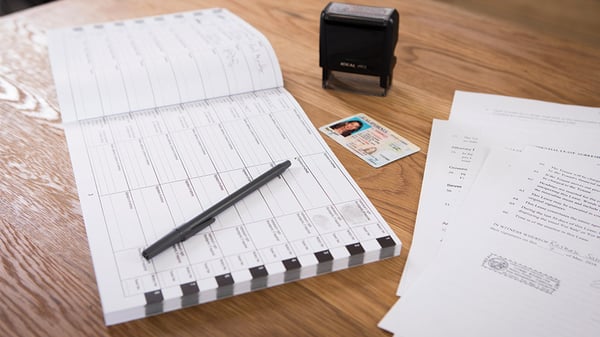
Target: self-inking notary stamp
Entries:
(356, 46)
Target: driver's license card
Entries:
(368, 139)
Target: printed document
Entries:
(458, 148)
(521, 261)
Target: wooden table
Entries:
(47, 282)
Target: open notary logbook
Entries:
(166, 115)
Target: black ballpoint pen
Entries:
(207, 217)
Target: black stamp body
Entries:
(356, 47)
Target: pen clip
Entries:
(195, 229)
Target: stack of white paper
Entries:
(507, 239)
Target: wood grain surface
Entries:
(47, 281)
